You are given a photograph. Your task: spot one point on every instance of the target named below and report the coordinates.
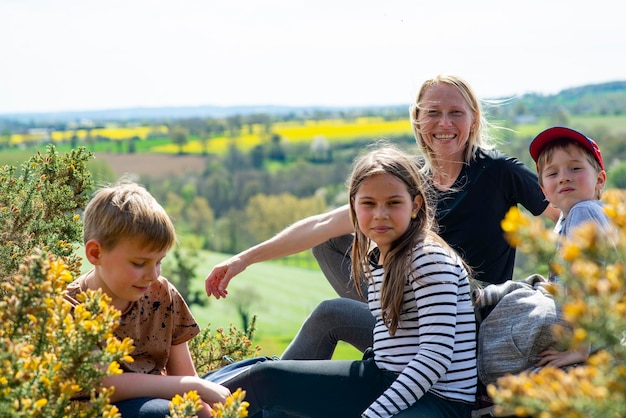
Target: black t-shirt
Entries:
(469, 215)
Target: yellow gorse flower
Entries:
(233, 407)
(44, 347)
(185, 406)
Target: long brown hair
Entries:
(397, 263)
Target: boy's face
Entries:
(570, 178)
(124, 272)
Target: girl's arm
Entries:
(302, 235)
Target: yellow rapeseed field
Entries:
(290, 132)
(111, 132)
(301, 132)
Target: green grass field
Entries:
(281, 296)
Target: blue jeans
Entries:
(144, 408)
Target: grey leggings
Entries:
(347, 318)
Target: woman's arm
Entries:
(551, 213)
(302, 235)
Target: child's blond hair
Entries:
(127, 211)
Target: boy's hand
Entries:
(211, 392)
(555, 358)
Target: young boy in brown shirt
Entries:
(126, 235)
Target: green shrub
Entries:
(211, 351)
(40, 207)
(47, 354)
(593, 271)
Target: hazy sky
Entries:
(93, 54)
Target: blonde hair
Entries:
(479, 138)
(125, 211)
(397, 263)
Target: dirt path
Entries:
(153, 164)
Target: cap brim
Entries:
(557, 132)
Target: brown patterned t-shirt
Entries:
(158, 320)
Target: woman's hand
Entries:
(217, 281)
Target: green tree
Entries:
(268, 215)
(617, 177)
(231, 233)
(199, 216)
(179, 136)
(277, 151)
(559, 117)
(174, 205)
(257, 156)
(181, 270)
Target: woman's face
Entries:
(446, 120)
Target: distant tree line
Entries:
(244, 197)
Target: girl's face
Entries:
(125, 272)
(445, 120)
(383, 208)
(570, 178)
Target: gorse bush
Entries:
(47, 355)
(591, 267)
(40, 207)
(211, 351)
(52, 358)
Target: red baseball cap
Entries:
(560, 132)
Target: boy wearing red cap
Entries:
(571, 174)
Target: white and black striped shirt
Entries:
(434, 347)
